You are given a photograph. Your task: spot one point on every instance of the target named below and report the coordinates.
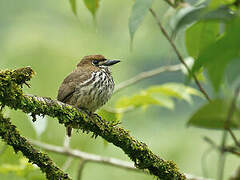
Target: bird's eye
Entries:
(95, 62)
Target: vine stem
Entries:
(146, 74)
(178, 53)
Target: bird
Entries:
(89, 86)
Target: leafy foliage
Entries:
(160, 95)
(204, 33)
(219, 54)
(213, 115)
(23, 169)
(232, 73)
(209, 43)
(139, 10)
(92, 6)
(73, 6)
(192, 14)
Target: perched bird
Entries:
(89, 86)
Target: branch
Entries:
(178, 54)
(11, 95)
(67, 163)
(145, 75)
(233, 150)
(230, 149)
(234, 137)
(87, 157)
(80, 169)
(11, 136)
(191, 177)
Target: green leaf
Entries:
(165, 100)
(199, 36)
(233, 73)
(92, 6)
(186, 16)
(175, 90)
(219, 54)
(213, 116)
(73, 6)
(217, 3)
(161, 95)
(202, 13)
(142, 99)
(139, 10)
(23, 169)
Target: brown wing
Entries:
(69, 84)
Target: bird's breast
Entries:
(94, 92)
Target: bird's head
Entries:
(96, 62)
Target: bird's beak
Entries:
(110, 62)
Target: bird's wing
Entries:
(68, 85)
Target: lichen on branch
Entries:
(11, 95)
(12, 137)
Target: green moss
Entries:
(11, 95)
(12, 137)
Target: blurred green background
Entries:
(48, 37)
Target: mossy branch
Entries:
(12, 137)
(11, 95)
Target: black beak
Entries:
(110, 62)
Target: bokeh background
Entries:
(48, 37)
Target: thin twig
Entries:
(234, 137)
(191, 177)
(224, 137)
(232, 150)
(178, 54)
(80, 169)
(67, 163)
(229, 149)
(85, 156)
(211, 142)
(145, 75)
